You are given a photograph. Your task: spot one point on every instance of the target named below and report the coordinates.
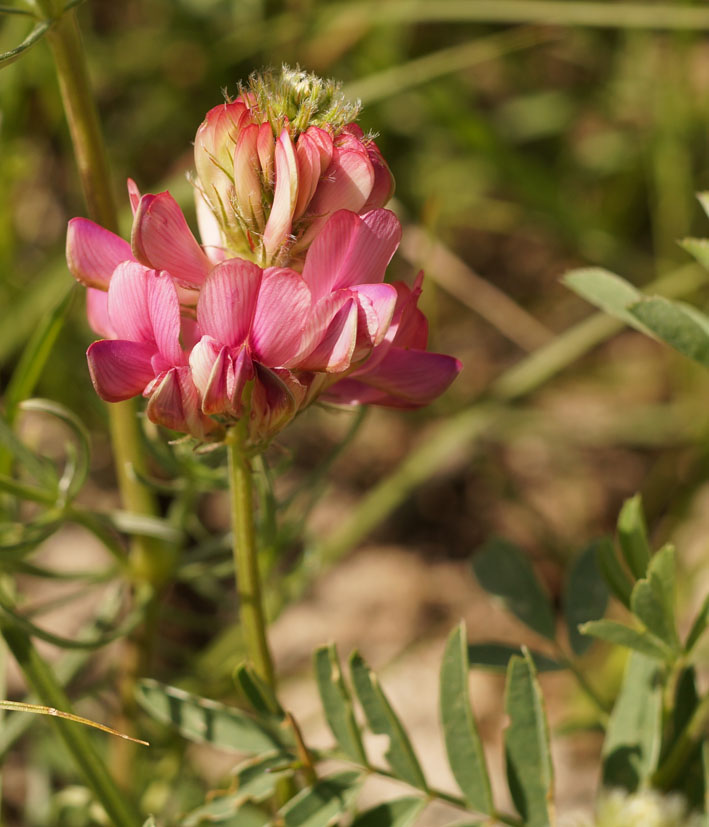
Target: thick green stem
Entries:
(41, 678)
(248, 580)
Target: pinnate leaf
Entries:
(383, 720)
(530, 774)
(337, 703)
(504, 570)
(463, 746)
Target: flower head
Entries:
(275, 163)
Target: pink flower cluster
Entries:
(284, 302)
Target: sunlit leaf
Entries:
(605, 290)
(199, 719)
(678, 324)
(652, 600)
(632, 536)
(337, 703)
(504, 570)
(585, 596)
(324, 803)
(632, 744)
(463, 745)
(699, 248)
(530, 774)
(258, 694)
(383, 720)
(641, 641)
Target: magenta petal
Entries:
(97, 313)
(351, 250)
(227, 301)
(164, 310)
(162, 240)
(175, 404)
(120, 369)
(209, 363)
(133, 195)
(247, 178)
(334, 320)
(274, 402)
(408, 378)
(128, 303)
(314, 153)
(93, 253)
(383, 187)
(381, 298)
(282, 311)
(285, 195)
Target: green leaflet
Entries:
(384, 721)
(641, 641)
(676, 323)
(256, 781)
(401, 812)
(322, 804)
(199, 719)
(632, 745)
(585, 596)
(337, 703)
(652, 600)
(505, 571)
(632, 536)
(530, 774)
(463, 746)
(496, 657)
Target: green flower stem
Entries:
(41, 678)
(248, 581)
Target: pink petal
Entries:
(162, 240)
(279, 222)
(247, 178)
(333, 331)
(227, 301)
(402, 379)
(175, 404)
(346, 185)
(383, 186)
(351, 250)
(209, 363)
(282, 311)
(377, 302)
(97, 313)
(409, 327)
(314, 153)
(93, 253)
(128, 303)
(274, 402)
(164, 312)
(120, 369)
(133, 195)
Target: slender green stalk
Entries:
(248, 580)
(41, 678)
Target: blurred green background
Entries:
(525, 138)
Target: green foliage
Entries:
(321, 804)
(401, 812)
(496, 657)
(632, 745)
(530, 774)
(632, 536)
(585, 596)
(505, 572)
(383, 720)
(463, 745)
